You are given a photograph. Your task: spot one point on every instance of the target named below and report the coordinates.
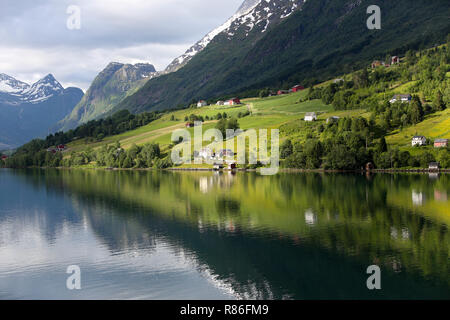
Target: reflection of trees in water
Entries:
(353, 224)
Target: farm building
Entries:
(206, 153)
(201, 103)
(441, 143)
(395, 60)
(418, 141)
(225, 153)
(232, 166)
(281, 92)
(298, 88)
(403, 98)
(376, 64)
(234, 101)
(310, 116)
(434, 166)
(220, 103)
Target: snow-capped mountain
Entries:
(31, 111)
(15, 91)
(250, 14)
(42, 90)
(10, 85)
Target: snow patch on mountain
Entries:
(10, 85)
(42, 90)
(246, 7)
(251, 13)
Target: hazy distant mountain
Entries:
(30, 111)
(280, 43)
(111, 85)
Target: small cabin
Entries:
(418, 141)
(61, 147)
(281, 92)
(225, 153)
(377, 63)
(220, 103)
(370, 166)
(395, 60)
(441, 143)
(4, 158)
(403, 98)
(232, 166)
(297, 88)
(434, 166)
(218, 166)
(234, 101)
(189, 124)
(201, 103)
(310, 116)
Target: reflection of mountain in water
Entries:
(257, 237)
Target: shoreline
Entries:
(281, 170)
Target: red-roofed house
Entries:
(298, 88)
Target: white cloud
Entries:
(36, 41)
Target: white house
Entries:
(403, 98)
(201, 103)
(418, 141)
(206, 153)
(220, 103)
(310, 116)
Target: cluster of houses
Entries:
(222, 155)
(58, 148)
(377, 63)
(403, 98)
(295, 88)
(312, 116)
(418, 141)
(229, 102)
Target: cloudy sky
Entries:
(35, 39)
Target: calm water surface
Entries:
(163, 235)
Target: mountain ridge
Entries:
(109, 87)
(319, 39)
(30, 111)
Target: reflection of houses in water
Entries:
(440, 195)
(310, 217)
(204, 184)
(219, 179)
(418, 198)
(433, 175)
(394, 233)
(406, 235)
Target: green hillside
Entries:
(324, 39)
(368, 127)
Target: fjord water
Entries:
(188, 235)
